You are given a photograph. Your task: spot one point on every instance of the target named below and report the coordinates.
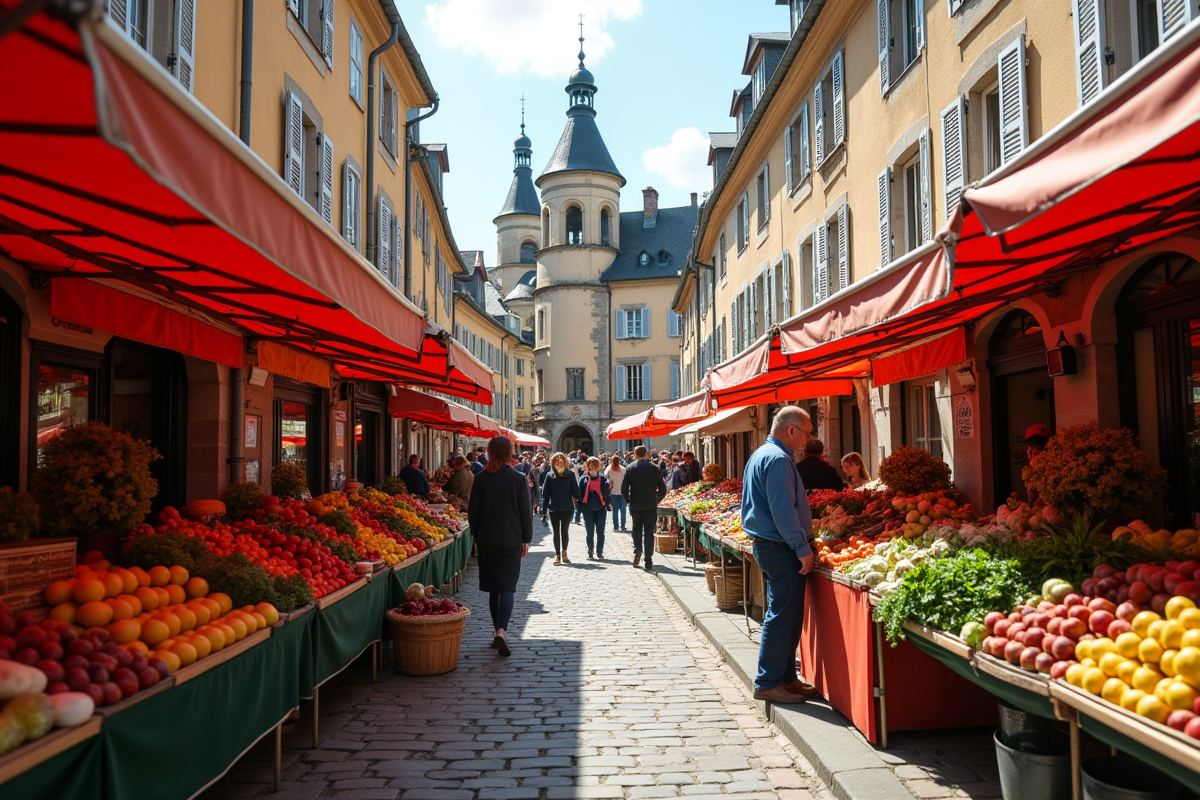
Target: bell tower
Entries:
(518, 232)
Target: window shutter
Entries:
(185, 42)
(819, 123)
(294, 6)
(919, 25)
(397, 248)
(805, 155)
(293, 146)
(392, 123)
(1014, 116)
(327, 38)
(647, 384)
(787, 286)
(384, 257)
(843, 247)
(672, 323)
(954, 166)
(885, 38)
(766, 192)
(347, 206)
(821, 273)
(733, 316)
(621, 383)
(885, 217)
(622, 325)
(755, 304)
(674, 380)
(118, 13)
(839, 101)
(926, 190)
(326, 179)
(1173, 15)
(1089, 48)
(955, 5)
(789, 171)
(645, 312)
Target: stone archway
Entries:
(575, 437)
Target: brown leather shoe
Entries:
(782, 695)
(800, 687)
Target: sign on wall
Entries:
(964, 419)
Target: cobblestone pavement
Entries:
(610, 693)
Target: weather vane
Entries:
(522, 113)
(581, 40)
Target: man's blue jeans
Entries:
(784, 614)
(593, 523)
(619, 505)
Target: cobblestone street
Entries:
(609, 693)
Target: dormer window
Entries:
(662, 256)
(644, 259)
(760, 78)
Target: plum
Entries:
(1043, 662)
(27, 655)
(1103, 571)
(57, 687)
(147, 677)
(78, 679)
(53, 669)
(999, 643)
(112, 693)
(1054, 626)
(94, 691)
(1158, 603)
(1001, 627)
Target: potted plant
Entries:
(94, 483)
(18, 516)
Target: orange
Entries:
(136, 645)
(173, 622)
(84, 571)
(187, 618)
(268, 611)
(196, 587)
(239, 627)
(102, 564)
(134, 602)
(165, 644)
(201, 643)
(230, 634)
(59, 592)
(159, 576)
(186, 652)
(113, 585)
(65, 612)
(148, 597)
(1142, 621)
(215, 636)
(124, 631)
(88, 590)
(121, 609)
(95, 614)
(155, 630)
(164, 597)
(214, 608)
(143, 577)
(179, 575)
(259, 619)
(1131, 698)
(167, 657)
(223, 600)
(128, 579)
(1093, 681)
(203, 615)
(176, 593)
(1179, 695)
(250, 622)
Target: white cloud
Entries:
(535, 37)
(683, 161)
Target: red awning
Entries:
(761, 375)
(922, 359)
(525, 439)
(662, 418)
(631, 427)
(439, 414)
(446, 366)
(685, 409)
(156, 193)
(123, 314)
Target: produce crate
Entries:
(665, 543)
(27, 568)
(426, 645)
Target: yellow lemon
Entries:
(1187, 666)
(1172, 634)
(1075, 674)
(1114, 689)
(1110, 663)
(1177, 605)
(1151, 707)
(1146, 679)
(1160, 688)
(1083, 650)
(1131, 698)
(1093, 681)
(1126, 671)
(1191, 638)
(1088, 662)
(1141, 622)
(1155, 630)
(1179, 695)
(1190, 617)
(1150, 650)
(1102, 646)
(1127, 644)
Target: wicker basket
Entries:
(710, 575)
(665, 543)
(426, 645)
(728, 589)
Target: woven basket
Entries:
(665, 543)
(426, 645)
(710, 575)
(728, 589)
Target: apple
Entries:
(990, 621)
(1127, 611)
(1081, 613)
(1033, 637)
(1189, 588)
(1171, 582)
(1059, 670)
(1100, 604)
(1188, 568)
(1072, 599)
(999, 644)
(1054, 626)
(1120, 576)
(1179, 718)
(1103, 571)
(1099, 622)
(1012, 652)
(1001, 627)
(1156, 579)
(1193, 728)
(1106, 585)
(1073, 628)
(1119, 626)
(1139, 592)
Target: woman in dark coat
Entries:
(560, 496)
(500, 516)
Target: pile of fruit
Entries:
(728, 526)
(421, 602)
(405, 515)
(677, 498)
(715, 501)
(1184, 542)
(30, 712)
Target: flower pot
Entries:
(426, 645)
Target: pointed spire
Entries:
(581, 41)
(522, 113)
(581, 86)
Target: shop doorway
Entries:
(575, 437)
(368, 435)
(298, 436)
(851, 425)
(1022, 395)
(65, 391)
(10, 390)
(1158, 315)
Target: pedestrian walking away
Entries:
(815, 472)
(560, 497)
(500, 517)
(643, 489)
(776, 515)
(594, 503)
(414, 479)
(616, 479)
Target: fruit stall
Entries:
(150, 671)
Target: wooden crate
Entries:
(26, 568)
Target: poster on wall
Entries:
(964, 419)
(251, 437)
(252, 471)
(339, 433)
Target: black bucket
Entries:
(1035, 776)
(1125, 778)
(1025, 732)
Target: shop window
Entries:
(528, 253)
(575, 225)
(924, 421)
(574, 383)
(1022, 395)
(66, 398)
(298, 426)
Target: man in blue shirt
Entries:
(776, 515)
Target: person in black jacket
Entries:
(500, 517)
(560, 495)
(643, 489)
(414, 479)
(815, 472)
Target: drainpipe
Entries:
(237, 399)
(408, 162)
(393, 18)
(247, 81)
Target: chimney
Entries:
(693, 199)
(649, 207)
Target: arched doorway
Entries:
(575, 437)
(1022, 395)
(1158, 314)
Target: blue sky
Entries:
(661, 66)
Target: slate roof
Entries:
(720, 141)
(492, 301)
(524, 288)
(581, 148)
(522, 197)
(672, 233)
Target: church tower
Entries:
(518, 232)
(581, 194)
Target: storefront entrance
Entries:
(1159, 350)
(10, 390)
(298, 411)
(1022, 395)
(576, 437)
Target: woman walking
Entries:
(616, 478)
(560, 496)
(595, 503)
(500, 517)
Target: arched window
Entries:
(546, 225)
(574, 225)
(605, 227)
(527, 253)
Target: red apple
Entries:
(1119, 626)
(1120, 576)
(1099, 622)
(1172, 581)
(1012, 652)
(1193, 728)
(1156, 579)
(1102, 571)
(1121, 595)
(1059, 670)
(1106, 585)
(1139, 592)
(999, 644)
(1043, 662)
(1188, 568)
(1127, 611)
(1080, 613)
(1054, 626)
(1063, 648)
(1100, 604)
(1028, 658)
(990, 621)
(1171, 566)
(1001, 628)
(1179, 718)
(1190, 588)
(1073, 628)
(1072, 599)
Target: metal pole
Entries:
(278, 757)
(247, 81)
(316, 715)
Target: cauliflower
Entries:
(903, 567)
(873, 579)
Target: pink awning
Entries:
(662, 418)
(526, 439)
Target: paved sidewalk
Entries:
(610, 693)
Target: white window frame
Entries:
(520, 397)
(759, 79)
(520, 367)
(634, 383)
(921, 423)
(352, 200)
(357, 73)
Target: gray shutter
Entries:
(185, 42)
(384, 257)
(819, 123)
(733, 315)
(397, 248)
(805, 154)
(118, 12)
(885, 217)
(647, 383)
(1014, 113)
(347, 206)
(392, 124)
(844, 247)
(326, 179)
(294, 6)
(955, 5)
(839, 101)
(789, 171)
(620, 383)
(293, 144)
(883, 23)
(766, 192)
(622, 325)
(919, 23)
(645, 312)
(926, 190)
(327, 12)
(787, 285)
(954, 164)
(821, 259)
(1173, 15)
(1089, 48)
(675, 380)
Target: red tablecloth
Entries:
(837, 651)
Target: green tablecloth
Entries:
(345, 629)
(74, 773)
